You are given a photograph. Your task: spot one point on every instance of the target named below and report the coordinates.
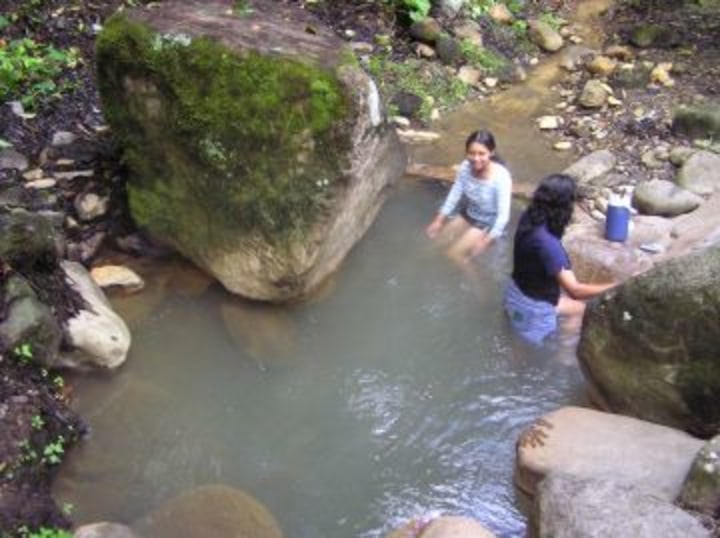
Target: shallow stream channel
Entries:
(398, 391)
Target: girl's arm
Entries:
(451, 201)
(579, 290)
(503, 199)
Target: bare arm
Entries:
(579, 290)
(435, 226)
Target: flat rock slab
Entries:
(592, 444)
(570, 507)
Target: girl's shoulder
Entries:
(500, 172)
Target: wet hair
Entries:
(486, 138)
(552, 204)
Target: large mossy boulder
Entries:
(650, 348)
(257, 147)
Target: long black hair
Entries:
(552, 205)
(486, 138)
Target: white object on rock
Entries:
(117, 275)
(99, 336)
(412, 136)
(547, 123)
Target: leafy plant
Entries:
(481, 57)
(242, 8)
(416, 9)
(43, 532)
(551, 20)
(53, 452)
(409, 76)
(23, 353)
(31, 69)
(37, 422)
(28, 454)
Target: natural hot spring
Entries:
(399, 391)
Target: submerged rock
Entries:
(442, 527)
(104, 530)
(256, 149)
(211, 511)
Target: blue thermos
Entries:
(617, 219)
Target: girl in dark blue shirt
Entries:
(543, 284)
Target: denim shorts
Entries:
(533, 319)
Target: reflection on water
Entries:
(400, 392)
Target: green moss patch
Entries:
(220, 143)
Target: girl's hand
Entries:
(434, 228)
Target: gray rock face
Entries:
(571, 507)
(29, 322)
(660, 197)
(26, 236)
(268, 180)
(589, 170)
(698, 121)
(700, 173)
(592, 444)
(451, 7)
(12, 160)
(701, 491)
(649, 348)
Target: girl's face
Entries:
(478, 155)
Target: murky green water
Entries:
(401, 391)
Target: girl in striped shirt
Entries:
(482, 193)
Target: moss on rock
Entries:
(219, 142)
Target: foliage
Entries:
(408, 76)
(23, 353)
(230, 128)
(479, 8)
(30, 70)
(481, 56)
(37, 422)
(241, 8)
(53, 452)
(43, 532)
(416, 9)
(552, 20)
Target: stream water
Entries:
(402, 391)
(399, 391)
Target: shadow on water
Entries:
(400, 392)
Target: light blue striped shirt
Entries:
(488, 198)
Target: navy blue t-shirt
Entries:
(537, 259)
